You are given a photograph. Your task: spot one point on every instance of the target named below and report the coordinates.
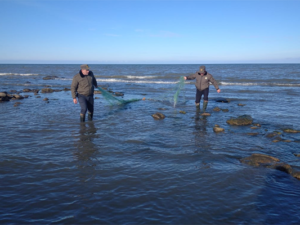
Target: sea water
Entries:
(125, 167)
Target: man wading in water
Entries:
(83, 87)
(202, 85)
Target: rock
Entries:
(47, 90)
(38, 96)
(253, 127)
(97, 92)
(240, 121)
(296, 174)
(257, 125)
(45, 99)
(241, 104)
(3, 94)
(18, 96)
(252, 134)
(66, 89)
(223, 100)
(291, 131)
(273, 134)
(218, 129)
(282, 167)
(97, 98)
(217, 109)
(162, 109)
(26, 90)
(225, 110)
(259, 159)
(50, 77)
(144, 99)
(17, 104)
(182, 112)
(158, 116)
(205, 114)
(297, 154)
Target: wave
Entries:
(18, 74)
(258, 84)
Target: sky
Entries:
(149, 31)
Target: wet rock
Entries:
(47, 90)
(97, 92)
(282, 167)
(45, 99)
(13, 91)
(27, 90)
(259, 160)
(50, 77)
(158, 116)
(162, 109)
(253, 127)
(16, 96)
(66, 89)
(240, 121)
(257, 125)
(182, 112)
(38, 96)
(97, 98)
(218, 129)
(291, 131)
(240, 104)
(225, 110)
(252, 134)
(223, 100)
(205, 114)
(17, 104)
(273, 134)
(296, 174)
(297, 154)
(217, 109)
(3, 94)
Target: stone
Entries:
(182, 112)
(218, 129)
(47, 90)
(240, 121)
(205, 114)
(217, 109)
(291, 131)
(3, 94)
(241, 104)
(223, 100)
(225, 110)
(257, 159)
(50, 77)
(158, 116)
(46, 99)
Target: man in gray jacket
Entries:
(83, 87)
(202, 85)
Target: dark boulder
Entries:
(50, 77)
(259, 160)
(223, 100)
(47, 90)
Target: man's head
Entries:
(202, 70)
(85, 69)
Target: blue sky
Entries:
(149, 31)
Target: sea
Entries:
(125, 167)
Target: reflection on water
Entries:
(86, 149)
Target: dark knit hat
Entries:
(202, 69)
(85, 67)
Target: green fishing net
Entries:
(176, 94)
(112, 100)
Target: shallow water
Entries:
(127, 168)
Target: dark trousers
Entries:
(200, 93)
(86, 103)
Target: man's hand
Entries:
(219, 90)
(75, 100)
(185, 78)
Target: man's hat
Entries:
(85, 67)
(202, 69)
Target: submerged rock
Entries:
(257, 159)
(216, 109)
(158, 116)
(291, 131)
(50, 77)
(47, 90)
(182, 112)
(240, 121)
(218, 129)
(223, 100)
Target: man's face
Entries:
(85, 72)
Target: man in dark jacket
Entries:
(83, 87)
(202, 85)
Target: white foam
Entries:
(258, 84)
(135, 81)
(18, 74)
(140, 77)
